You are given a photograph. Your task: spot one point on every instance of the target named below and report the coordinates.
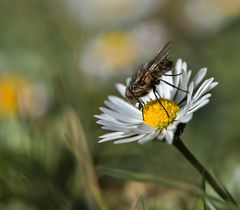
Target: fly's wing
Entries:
(145, 70)
(150, 67)
(162, 54)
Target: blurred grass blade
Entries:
(143, 204)
(163, 181)
(135, 204)
(139, 204)
(128, 175)
(77, 140)
(225, 189)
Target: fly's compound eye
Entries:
(129, 97)
(128, 93)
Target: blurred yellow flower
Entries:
(118, 51)
(133, 190)
(18, 95)
(34, 100)
(9, 88)
(109, 53)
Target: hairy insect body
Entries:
(148, 76)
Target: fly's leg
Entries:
(156, 78)
(173, 86)
(154, 92)
(141, 106)
(172, 75)
(154, 83)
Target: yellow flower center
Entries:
(156, 116)
(116, 50)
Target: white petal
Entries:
(186, 118)
(199, 76)
(161, 136)
(111, 138)
(184, 67)
(122, 110)
(189, 75)
(117, 123)
(142, 129)
(164, 88)
(180, 114)
(167, 88)
(213, 85)
(196, 102)
(104, 140)
(120, 117)
(203, 88)
(172, 126)
(149, 137)
(130, 139)
(186, 102)
(115, 128)
(169, 137)
(128, 80)
(176, 81)
(105, 117)
(180, 95)
(203, 103)
(121, 89)
(120, 105)
(112, 135)
(178, 65)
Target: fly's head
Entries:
(130, 97)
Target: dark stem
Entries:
(182, 148)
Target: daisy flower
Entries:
(162, 118)
(127, 123)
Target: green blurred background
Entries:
(59, 60)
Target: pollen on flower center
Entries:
(156, 116)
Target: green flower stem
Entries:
(182, 148)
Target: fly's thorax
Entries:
(141, 91)
(161, 69)
(166, 65)
(141, 88)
